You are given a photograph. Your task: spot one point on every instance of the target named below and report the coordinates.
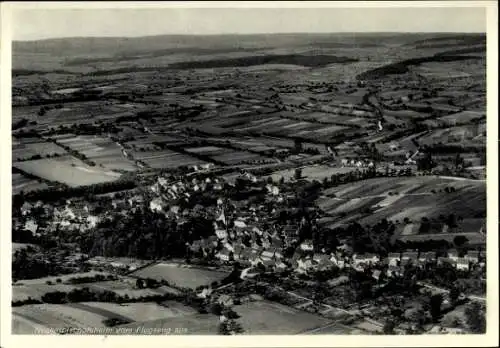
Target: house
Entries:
(453, 254)
(393, 271)
(31, 226)
(322, 261)
(367, 259)
(224, 255)
(156, 205)
(26, 208)
(376, 274)
(307, 245)
(204, 293)
(427, 257)
(394, 259)
(409, 257)
(221, 233)
(280, 265)
(462, 264)
(445, 260)
(237, 252)
(267, 254)
(303, 265)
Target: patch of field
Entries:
(103, 151)
(180, 275)
(68, 170)
(265, 317)
(25, 150)
(126, 286)
(143, 311)
(56, 317)
(236, 157)
(316, 172)
(197, 324)
(464, 117)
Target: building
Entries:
(453, 254)
(427, 257)
(463, 264)
(394, 259)
(409, 257)
(473, 256)
(368, 259)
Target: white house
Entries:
(394, 258)
(365, 259)
(453, 255)
(307, 246)
(156, 205)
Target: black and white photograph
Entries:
(231, 170)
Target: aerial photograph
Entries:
(221, 171)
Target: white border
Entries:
(489, 339)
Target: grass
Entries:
(179, 275)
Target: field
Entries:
(316, 172)
(26, 148)
(196, 324)
(180, 275)
(22, 183)
(463, 117)
(126, 286)
(36, 288)
(67, 170)
(398, 198)
(264, 317)
(37, 318)
(103, 151)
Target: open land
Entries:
(249, 184)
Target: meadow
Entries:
(180, 275)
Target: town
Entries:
(294, 193)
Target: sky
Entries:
(35, 24)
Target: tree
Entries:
(460, 241)
(475, 318)
(389, 327)
(454, 294)
(435, 303)
(298, 145)
(298, 173)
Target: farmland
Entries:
(265, 318)
(193, 183)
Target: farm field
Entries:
(126, 286)
(264, 317)
(24, 149)
(315, 172)
(29, 319)
(194, 324)
(180, 275)
(24, 184)
(398, 198)
(463, 117)
(67, 170)
(103, 151)
(141, 311)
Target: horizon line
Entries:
(250, 34)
